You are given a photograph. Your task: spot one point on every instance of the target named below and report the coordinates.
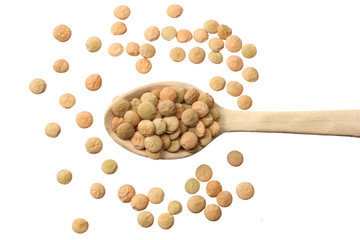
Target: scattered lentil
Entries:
(97, 190)
(147, 50)
(145, 219)
(80, 225)
(213, 188)
(67, 100)
(234, 88)
(234, 63)
(196, 204)
(62, 33)
(244, 102)
(118, 28)
(84, 119)
(174, 11)
(217, 83)
(215, 57)
(115, 49)
(183, 36)
(139, 202)
(156, 195)
(64, 176)
(200, 35)
(245, 190)
(174, 207)
(177, 54)
(249, 50)
(224, 198)
(235, 158)
(52, 130)
(122, 12)
(37, 86)
(93, 145)
(61, 66)
(203, 173)
(126, 193)
(143, 65)
(211, 26)
(224, 31)
(132, 49)
(250, 74)
(216, 44)
(233, 43)
(166, 220)
(93, 82)
(109, 166)
(197, 55)
(168, 33)
(192, 186)
(151, 34)
(93, 44)
(212, 212)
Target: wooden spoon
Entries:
(339, 122)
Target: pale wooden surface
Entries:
(339, 122)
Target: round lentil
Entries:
(37, 86)
(132, 118)
(149, 96)
(52, 130)
(234, 88)
(203, 173)
(224, 198)
(174, 207)
(122, 12)
(214, 113)
(197, 55)
(233, 43)
(216, 44)
(147, 50)
(190, 117)
(174, 146)
(201, 108)
(212, 212)
(109, 166)
(200, 35)
(133, 49)
(166, 108)
(147, 110)
(166, 141)
(146, 128)
(224, 31)
(172, 124)
(207, 98)
(93, 44)
(245, 190)
(93, 82)
(211, 26)
(97, 190)
(235, 158)
(61, 66)
(156, 195)
(244, 102)
(183, 36)
(168, 93)
(191, 96)
(200, 129)
(138, 141)
(67, 100)
(62, 33)
(166, 220)
(151, 34)
(139, 202)
(125, 131)
(115, 49)
(213, 188)
(120, 107)
(196, 204)
(174, 11)
(80, 225)
(214, 129)
(249, 50)
(168, 33)
(64, 176)
(234, 63)
(177, 54)
(160, 126)
(84, 119)
(115, 123)
(250, 74)
(215, 57)
(153, 143)
(126, 193)
(217, 83)
(143, 65)
(192, 186)
(145, 219)
(118, 28)
(93, 145)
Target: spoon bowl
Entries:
(337, 122)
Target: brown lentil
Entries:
(250, 74)
(109, 166)
(213, 188)
(249, 50)
(80, 225)
(233, 43)
(146, 128)
(224, 198)
(156, 195)
(93, 145)
(97, 190)
(145, 219)
(177, 54)
(126, 193)
(139, 202)
(115, 49)
(203, 173)
(192, 186)
(67, 100)
(118, 28)
(234, 63)
(143, 65)
(217, 83)
(196, 204)
(223, 31)
(64, 176)
(244, 102)
(211, 26)
(151, 34)
(147, 50)
(166, 220)
(216, 44)
(183, 36)
(52, 130)
(168, 33)
(62, 33)
(132, 49)
(84, 119)
(245, 190)
(197, 55)
(122, 12)
(37, 86)
(212, 212)
(215, 57)
(93, 44)
(235, 158)
(138, 141)
(174, 207)
(200, 35)
(174, 11)
(61, 66)
(234, 88)
(93, 82)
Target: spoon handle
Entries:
(339, 122)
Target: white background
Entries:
(306, 187)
